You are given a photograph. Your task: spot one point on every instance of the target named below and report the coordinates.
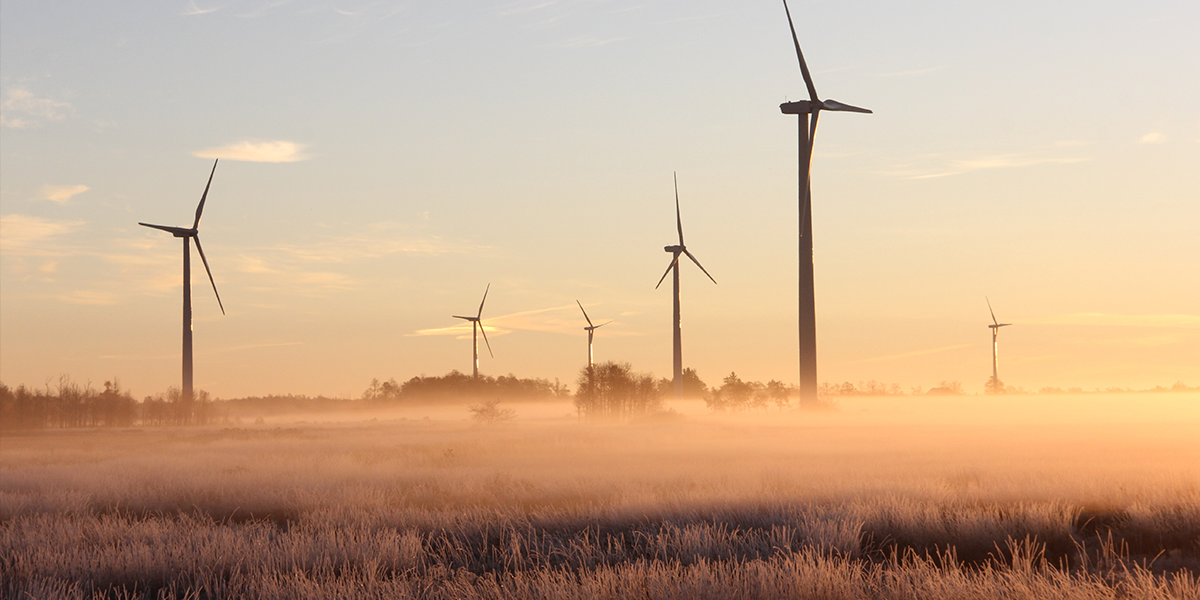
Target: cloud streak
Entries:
(913, 353)
(1179, 321)
(1154, 137)
(540, 319)
(61, 193)
(33, 111)
(281, 151)
(24, 235)
(191, 9)
(995, 161)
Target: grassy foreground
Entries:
(865, 502)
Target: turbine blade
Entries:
(483, 330)
(989, 302)
(689, 255)
(812, 135)
(200, 207)
(463, 318)
(163, 228)
(678, 220)
(812, 90)
(673, 261)
(209, 271)
(838, 106)
(584, 313)
(602, 325)
(485, 291)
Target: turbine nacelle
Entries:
(675, 249)
(999, 325)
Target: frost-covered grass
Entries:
(849, 504)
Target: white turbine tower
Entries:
(476, 327)
(591, 329)
(995, 327)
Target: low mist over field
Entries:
(1066, 496)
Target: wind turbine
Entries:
(476, 327)
(995, 327)
(808, 130)
(677, 364)
(591, 329)
(189, 234)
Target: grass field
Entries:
(969, 497)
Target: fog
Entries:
(1093, 494)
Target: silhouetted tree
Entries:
(693, 386)
(613, 390)
(490, 413)
(455, 387)
(778, 393)
(994, 386)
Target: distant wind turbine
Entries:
(591, 329)
(995, 327)
(476, 327)
(677, 364)
(808, 305)
(189, 234)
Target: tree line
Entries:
(455, 387)
(69, 404)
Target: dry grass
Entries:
(878, 500)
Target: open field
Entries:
(964, 497)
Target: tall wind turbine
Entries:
(591, 329)
(677, 364)
(808, 111)
(476, 327)
(189, 234)
(995, 327)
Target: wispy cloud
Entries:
(913, 353)
(910, 72)
(555, 319)
(314, 266)
(524, 7)
(585, 42)
(1154, 137)
(24, 235)
(934, 166)
(191, 8)
(31, 111)
(1179, 321)
(89, 297)
(62, 193)
(1005, 161)
(257, 151)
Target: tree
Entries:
(613, 390)
(993, 386)
(490, 413)
(778, 393)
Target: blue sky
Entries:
(396, 157)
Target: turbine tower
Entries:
(189, 234)
(808, 111)
(677, 364)
(995, 327)
(476, 327)
(591, 329)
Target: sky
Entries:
(383, 162)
